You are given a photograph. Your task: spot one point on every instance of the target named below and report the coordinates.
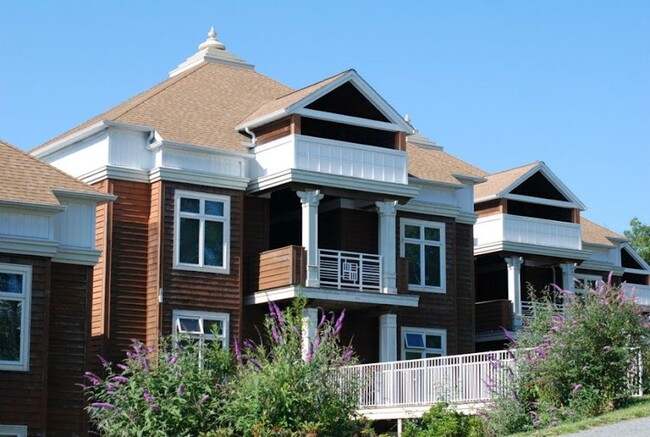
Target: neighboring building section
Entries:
(47, 233)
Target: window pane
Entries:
(432, 266)
(411, 231)
(431, 355)
(10, 315)
(189, 241)
(410, 355)
(212, 326)
(432, 234)
(189, 325)
(214, 208)
(213, 248)
(190, 205)
(434, 342)
(413, 256)
(11, 283)
(414, 340)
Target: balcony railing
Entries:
(332, 157)
(528, 230)
(493, 315)
(640, 292)
(528, 307)
(350, 270)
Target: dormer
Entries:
(339, 127)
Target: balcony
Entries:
(333, 158)
(343, 275)
(640, 292)
(493, 316)
(527, 234)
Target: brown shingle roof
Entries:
(597, 234)
(25, 179)
(438, 165)
(285, 101)
(200, 106)
(497, 182)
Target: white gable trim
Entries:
(553, 179)
(347, 119)
(636, 256)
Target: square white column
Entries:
(309, 324)
(387, 246)
(310, 201)
(514, 288)
(568, 276)
(388, 337)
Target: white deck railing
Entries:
(350, 270)
(640, 292)
(459, 379)
(528, 230)
(528, 307)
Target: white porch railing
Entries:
(528, 230)
(640, 292)
(528, 307)
(350, 270)
(459, 379)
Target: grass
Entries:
(639, 407)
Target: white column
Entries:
(514, 288)
(309, 323)
(310, 200)
(387, 213)
(387, 337)
(568, 276)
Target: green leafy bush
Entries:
(441, 422)
(573, 364)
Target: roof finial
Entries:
(407, 118)
(212, 41)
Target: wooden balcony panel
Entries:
(492, 315)
(277, 268)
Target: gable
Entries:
(348, 100)
(630, 261)
(538, 185)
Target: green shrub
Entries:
(441, 422)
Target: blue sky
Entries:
(498, 83)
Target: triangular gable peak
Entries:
(630, 259)
(540, 185)
(343, 108)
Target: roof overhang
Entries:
(532, 249)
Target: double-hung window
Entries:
(423, 245)
(423, 343)
(13, 431)
(204, 327)
(202, 232)
(15, 312)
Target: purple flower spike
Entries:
(104, 361)
(121, 379)
(310, 353)
(104, 405)
(148, 397)
(180, 390)
(94, 379)
(238, 351)
(205, 398)
(297, 331)
(275, 334)
(122, 367)
(347, 355)
(576, 389)
(339, 322)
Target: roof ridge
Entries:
(315, 83)
(514, 168)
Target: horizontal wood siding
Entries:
(256, 235)
(277, 268)
(453, 310)
(69, 331)
(154, 261)
(203, 291)
(273, 131)
(359, 231)
(491, 207)
(129, 303)
(492, 315)
(23, 395)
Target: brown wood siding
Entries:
(203, 291)
(453, 310)
(492, 315)
(359, 231)
(256, 234)
(277, 268)
(154, 254)
(129, 302)
(491, 207)
(98, 306)
(273, 131)
(69, 332)
(23, 395)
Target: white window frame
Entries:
(178, 214)
(443, 253)
(25, 298)
(442, 333)
(13, 430)
(584, 278)
(201, 335)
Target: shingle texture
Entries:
(25, 179)
(497, 182)
(597, 234)
(438, 165)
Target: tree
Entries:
(639, 237)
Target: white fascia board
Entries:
(390, 189)
(197, 148)
(28, 246)
(265, 119)
(561, 187)
(348, 119)
(75, 255)
(532, 249)
(485, 198)
(86, 133)
(41, 209)
(361, 297)
(600, 266)
(433, 183)
(84, 196)
(430, 209)
(597, 246)
(473, 180)
(113, 172)
(542, 201)
(198, 178)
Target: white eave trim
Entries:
(362, 297)
(439, 209)
(28, 246)
(390, 189)
(468, 178)
(633, 253)
(198, 178)
(165, 144)
(348, 119)
(93, 197)
(85, 133)
(75, 255)
(543, 201)
(532, 249)
(601, 266)
(41, 208)
(436, 184)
